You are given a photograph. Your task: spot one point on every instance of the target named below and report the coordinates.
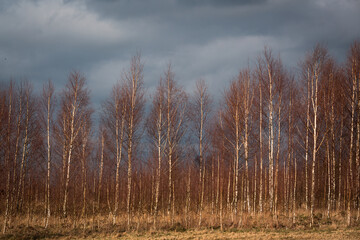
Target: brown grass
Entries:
(325, 233)
(245, 226)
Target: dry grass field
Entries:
(321, 233)
(244, 227)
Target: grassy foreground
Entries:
(243, 227)
(316, 233)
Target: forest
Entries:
(278, 148)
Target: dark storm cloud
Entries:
(220, 3)
(43, 39)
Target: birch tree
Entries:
(200, 109)
(114, 124)
(48, 101)
(312, 69)
(156, 130)
(176, 101)
(7, 156)
(353, 73)
(232, 128)
(134, 100)
(74, 109)
(245, 77)
(270, 73)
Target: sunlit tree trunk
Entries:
(314, 100)
(134, 101)
(48, 98)
(14, 193)
(201, 92)
(75, 111)
(332, 131)
(158, 171)
(156, 129)
(356, 75)
(255, 186)
(7, 160)
(119, 123)
(349, 175)
(248, 97)
(277, 157)
(307, 142)
(71, 142)
(20, 192)
(340, 157)
(327, 99)
(313, 69)
(101, 170)
(199, 111)
(175, 110)
(169, 140)
(85, 131)
(294, 189)
(188, 198)
(261, 150)
(271, 142)
(353, 63)
(217, 182)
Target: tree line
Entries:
(277, 143)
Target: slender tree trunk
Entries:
(153, 186)
(307, 143)
(158, 172)
(349, 175)
(101, 169)
(202, 164)
(328, 163)
(266, 190)
(7, 164)
(71, 142)
(64, 162)
(212, 186)
(357, 164)
(48, 111)
(271, 144)
(255, 186)
(221, 205)
(328, 178)
(23, 157)
(314, 94)
(173, 203)
(261, 151)
(94, 201)
(218, 182)
(119, 145)
(188, 198)
(287, 166)
(134, 81)
(169, 102)
(340, 157)
(246, 139)
(170, 181)
(14, 193)
(333, 175)
(228, 192)
(237, 155)
(277, 159)
(83, 170)
(134, 101)
(129, 175)
(294, 194)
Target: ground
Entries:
(325, 233)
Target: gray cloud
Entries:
(44, 39)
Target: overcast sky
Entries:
(46, 39)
